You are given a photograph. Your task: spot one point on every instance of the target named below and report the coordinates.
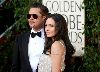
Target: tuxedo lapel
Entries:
(24, 40)
(25, 46)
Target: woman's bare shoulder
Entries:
(57, 47)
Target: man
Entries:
(29, 46)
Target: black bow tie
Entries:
(34, 34)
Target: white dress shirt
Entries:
(35, 49)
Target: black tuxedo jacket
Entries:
(20, 61)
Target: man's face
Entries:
(35, 18)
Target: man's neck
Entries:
(36, 30)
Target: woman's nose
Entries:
(46, 28)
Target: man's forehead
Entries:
(35, 9)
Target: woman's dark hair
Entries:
(62, 34)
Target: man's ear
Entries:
(44, 17)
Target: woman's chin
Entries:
(48, 36)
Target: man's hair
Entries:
(44, 9)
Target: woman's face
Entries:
(50, 28)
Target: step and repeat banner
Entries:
(74, 13)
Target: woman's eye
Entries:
(51, 25)
(45, 24)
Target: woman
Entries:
(57, 45)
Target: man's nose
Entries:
(31, 17)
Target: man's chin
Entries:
(31, 26)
